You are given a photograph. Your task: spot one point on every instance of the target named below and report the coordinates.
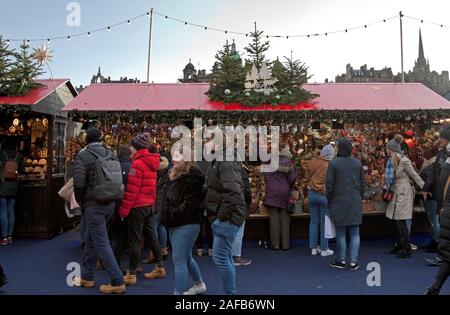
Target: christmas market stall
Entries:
(367, 113)
(33, 123)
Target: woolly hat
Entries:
(327, 152)
(395, 144)
(93, 135)
(141, 141)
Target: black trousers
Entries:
(403, 235)
(151, 242)
(205, 235)
(1, 270)
(442, 275)
(118, 236)
(135, 224)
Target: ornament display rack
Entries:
(302, 131)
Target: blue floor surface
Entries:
(39, 267)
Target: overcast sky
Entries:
(123, 51)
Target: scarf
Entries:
(389, 175)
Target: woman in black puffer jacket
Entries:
(444, 233)
(182, 214)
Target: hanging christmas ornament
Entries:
(42, 54)
(227, 92)
(278, 97)
(266, 93)
(247, 94)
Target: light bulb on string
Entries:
(129, 22)
(7, 42)
(109, 28)
(89, 34)
(48, 40)
(68, 37)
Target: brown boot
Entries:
(150, 259)
(80, 282)
(157, 273)
(110, 289)
(130, 279)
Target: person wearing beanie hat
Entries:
(97, 214)
(317, 201)
(93, 135)
(138, 204)
(345, 187)
(395, 144)
(399, 174)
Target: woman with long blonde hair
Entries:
(181, 213)
(399, 178)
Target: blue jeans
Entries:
(159, 230)
(433, 217)
(341, 242)
(318, 208)
(7, 216)
(98, 245)
(224, 235)
(237, 244)
(182, 239)
(83, 228)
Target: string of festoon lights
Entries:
(209, 28)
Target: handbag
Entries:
(387, 195)
(330, 228)
(66, 191)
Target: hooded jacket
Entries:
(181, 201)
(345, 186)
(316, 173)
(433, 183)
(280, 183)
(141, 187)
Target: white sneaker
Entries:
(327, 252)
(315, 251)
(196, 289)
(414, 247)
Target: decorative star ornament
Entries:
(42, 54)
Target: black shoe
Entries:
(431, 291)
(239, 261)
(406, 252)
(436, 261)
(354, 266)
(432, 247)
(3, 280)
(338, 264)
(397, 248)
(83, 244)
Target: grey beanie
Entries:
(327, 152)
(395, 144)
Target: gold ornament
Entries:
(42, 54)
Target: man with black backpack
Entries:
(97, 185)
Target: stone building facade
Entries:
(421, 73)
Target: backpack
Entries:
(10, 167)
(108, 179)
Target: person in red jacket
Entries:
(138, 201)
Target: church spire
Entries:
(421, 58)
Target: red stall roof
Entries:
(36, 95)
(178, 96)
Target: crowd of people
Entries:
(143, 199)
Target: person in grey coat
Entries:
(345, 186)
(400, 208)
